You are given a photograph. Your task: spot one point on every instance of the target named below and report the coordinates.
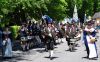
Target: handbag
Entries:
(92, 39)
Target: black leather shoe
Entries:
(86, 57)
(51, 58)
(92, 58)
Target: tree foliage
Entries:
(88, 7)
(17, 11)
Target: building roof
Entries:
(96, 15)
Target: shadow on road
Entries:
(90, 59)
(40, 51)
(71, 51)
(52, 57)
(13, 59)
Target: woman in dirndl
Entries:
(7, 44)
(90, 41)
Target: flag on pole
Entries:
(85, 19)
(75, 14)
(47, 18)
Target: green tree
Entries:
(88, 7)
(18, 10)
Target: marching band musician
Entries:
(49, 40)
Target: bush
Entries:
(14, 30)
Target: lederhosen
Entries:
(67, 35)
(61, 32)
(42, 32)
(72, 33)
(54, 35)
(49, 39)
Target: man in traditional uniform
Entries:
(70, 34)
(49, 39)
(67, 32)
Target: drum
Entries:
(72, 40)
(23, 39)
(29, 37)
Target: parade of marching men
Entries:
(50, 31)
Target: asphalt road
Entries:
(61, 54)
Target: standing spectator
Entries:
(23, 34)
(7, 44)
(0, 38)
(0, 41)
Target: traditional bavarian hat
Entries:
(49, 23)
(89, 23)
